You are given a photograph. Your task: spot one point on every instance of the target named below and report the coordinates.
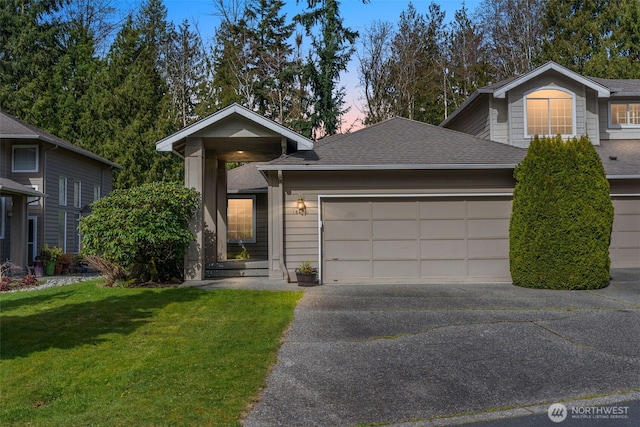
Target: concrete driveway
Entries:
(417, 355)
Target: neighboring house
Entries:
(400, 200)
(46, 184)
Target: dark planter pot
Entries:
(306, 279)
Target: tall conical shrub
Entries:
(562, 217)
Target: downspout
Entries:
(283, 267)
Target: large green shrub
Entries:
(144, 230)
(562, 217)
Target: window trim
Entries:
(253, 219)
(13, 158)
(573, 110)
(620, 126)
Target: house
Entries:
(46, 184)
(402, 200)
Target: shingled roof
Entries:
(400, 143)
(13, 128)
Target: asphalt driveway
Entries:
(438, 354)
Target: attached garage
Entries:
(625, 236)
(415, 237)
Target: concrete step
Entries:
(237, 268)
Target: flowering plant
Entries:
(306, 268)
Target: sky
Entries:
(356, 16)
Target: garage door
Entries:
(398, 239)
(625, 238)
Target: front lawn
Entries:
(82, 355)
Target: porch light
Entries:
(301, 207)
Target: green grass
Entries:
(83, 355)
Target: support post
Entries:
(194, 177)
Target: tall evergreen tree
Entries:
(132, 105)
(600, 38)
(331, 50)
(30, 36)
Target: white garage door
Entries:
(399, 239)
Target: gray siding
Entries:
(585, 114)
(607, 132)
(499, 117)
(73, 167)
(475, 121)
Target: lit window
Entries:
(624, 114)
(25, 158)
(241, 220)
(62, 191)
(549, 112)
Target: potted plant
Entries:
(49, 255)
(306, 274)
(66, 260)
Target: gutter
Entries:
(307, 167)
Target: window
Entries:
(624, 114)
(77, 194)
(549, 112)
(25, 158)
(241, 219)
(97, 192)
(62, 191)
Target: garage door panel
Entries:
(629, 239)
(399, 229)
(443, 249)
(396, 269)
(349, 269)
(394, 249)
(489, 209)
(348, 249)
(442, 209)
(443, 268)
(347, 230)
(626, 222)
(624, 257)
(489, 248)
(487, 228)
(490, 268)
(395, 210)
(626, 206)
(442, 228)
(342, 210)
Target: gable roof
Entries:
(400, 143)
(169, 143)
(605, 88)
(13, 128)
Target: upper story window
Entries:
(550, 112)
(25, 158)
(77, 194)
(624, 114)
(62, 191)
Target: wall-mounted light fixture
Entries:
(301, 207)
